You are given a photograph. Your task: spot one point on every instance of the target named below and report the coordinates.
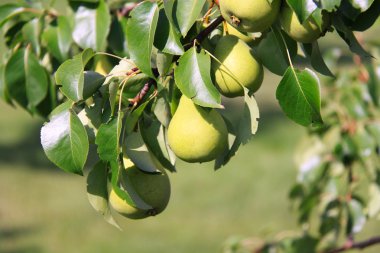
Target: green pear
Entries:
(197, 134)
(306, 32)
(239, 67)
(152, 188)
(241, 35)
(250, 15)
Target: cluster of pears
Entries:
(198, 134)
(151, 188)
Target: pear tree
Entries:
(128, 87)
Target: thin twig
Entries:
(358, 245)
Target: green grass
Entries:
(45, 210)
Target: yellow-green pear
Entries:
(241, 35)
(239, 67)
(306, 32)
(197, 134)
(250, 15)
(152, 188)
(102, 65)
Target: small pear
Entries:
(102, 65)
(250, 15)
(197, 134)
(239, 67)
(152, 188)
(308, 31)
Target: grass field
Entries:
(45, 210)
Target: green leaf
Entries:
(272, 51)
(302, 8)
(241, 126)
(70, 75)
(164, 63)
(31, 32)
(153, 134)
(316, 59)
(330, 5)
(166, 38)
(58, 38)
(97, 192)
(64, 140)
(374, 201)
(92, 26)
(15, 78)
(123, 187)
(366, 19)
(8, 11)
(26, 80)
(92, 82)
(183, 13)
(192, 77)
(299, 96)
(133, 117)
(348, 36)
(140, 32)
(356, 217)
(137, 151)
(107, 140)
(36, 79)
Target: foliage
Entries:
(54, 66)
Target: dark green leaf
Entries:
(299, 96)
(373, 83)
(166, 39)
(192, 77)
(70, 75)
(36, 79)
(140, 32)
(14, 77)
(163, 62)
(65, 142)
(348, 36)
(316, 59)
(272, 51)
(92, 82)
(92, 26)
(366, 19)
(183, 14)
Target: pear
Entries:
(306, 32)
(152, 188)
(241, 35)
(250, 15)
(239, 67)
(197, 134)
(102, 65)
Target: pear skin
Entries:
(239, 67)
(197, 134)
(153, 189)
(250, 15)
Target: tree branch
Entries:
(204, 33)
(358, 245)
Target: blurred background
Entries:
(43, 209)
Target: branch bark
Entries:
(358, 245)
